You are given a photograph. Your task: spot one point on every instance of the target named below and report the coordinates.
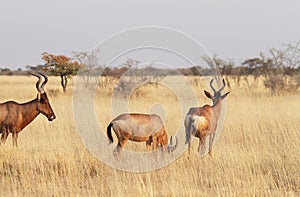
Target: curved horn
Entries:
(222, 86)
(44, 83)
(37, 85)
(172, 147)
(211, 81)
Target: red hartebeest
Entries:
(139, 128)
(14, 116)
(202, 121)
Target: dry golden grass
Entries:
(257, 153)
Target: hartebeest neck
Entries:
(29, 111)
(217, 108)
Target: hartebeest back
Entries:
(14, 117)
(139, 127)
(202, 121)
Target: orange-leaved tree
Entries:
(60, 65)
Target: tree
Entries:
(225, 66)
(280, 68)
(60, 65)
(91, 69)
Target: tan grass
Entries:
(257, 153)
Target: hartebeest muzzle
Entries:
(52, 117)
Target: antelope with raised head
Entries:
(202, 121)
(137, 127)
(14, 117)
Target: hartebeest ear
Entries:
(225, 95)
(208, 94)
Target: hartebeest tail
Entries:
(147, 128)
(14, 117)
(202, 121)
(108, 131)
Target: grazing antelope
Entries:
(202, 121)
(14, 116)
(139, 127)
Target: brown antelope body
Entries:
(137, 127)
(202, 121)
(14, 117)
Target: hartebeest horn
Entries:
(44, 83)
(222, 86)
(37, 85)
(211, 81)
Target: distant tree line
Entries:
(279, 68)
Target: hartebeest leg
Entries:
(117, 150)
(188, 131)
(120, 145)
(4, 136)
(154, 140)
(211, 139)
(189, 148)
(188, 137)
(148, 144)
(189, 140)
(201, 144)
(202, 137)
(15, 138)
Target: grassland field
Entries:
(257, 153)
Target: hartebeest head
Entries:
(217, 94)
(43, 106)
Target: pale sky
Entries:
(230, 29)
